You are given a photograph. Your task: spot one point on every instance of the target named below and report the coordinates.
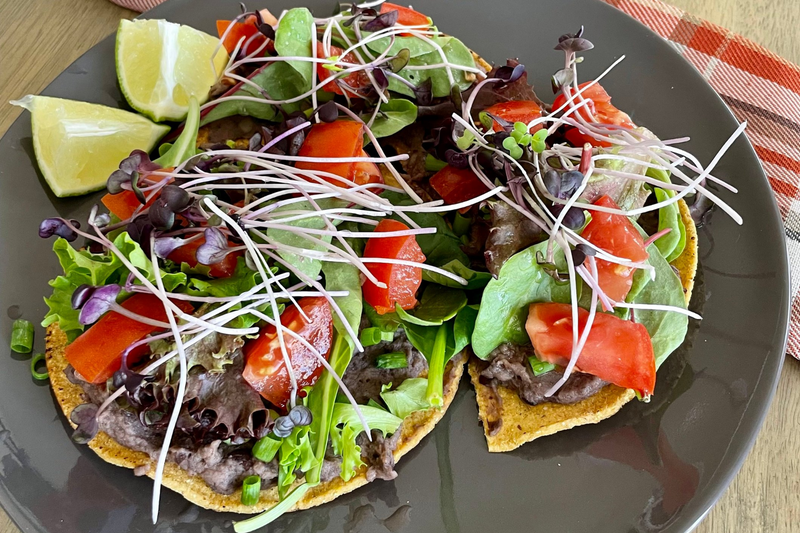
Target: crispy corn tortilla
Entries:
(521, 422)
(193, 488)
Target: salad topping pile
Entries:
(358, 200)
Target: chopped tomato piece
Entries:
(401, 281)
(456, 185)
(241, 31)
(343, 138)
(405, 15)
(616, 235)
(188, 254)
(97, 353)
(265, 369)
(123, 204)
(602, 109)
(356, 80)
(516, 111)
(616, 350)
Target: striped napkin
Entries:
(757, 85)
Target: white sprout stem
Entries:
(327, 366)
(262, 270)
(176, 410)
(314, 283)
(576, 352)
(657, 307)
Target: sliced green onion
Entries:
(486, 120)
(433, 164)
(461, 224)
(540, 367)
(41, 376)
(436, 363)
(22, 336)
(266, 448)
(251, 490)
(374, 335)
(259, 521)
(392, 360)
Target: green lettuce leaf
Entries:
(475, 279)
(440, 248)
(407, 398)
(504, 305)
(295, 453)
(293, 38)
(394, 115)
(82, 267)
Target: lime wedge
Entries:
(79, 145)
(160, 65)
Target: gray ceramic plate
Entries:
(653, 467)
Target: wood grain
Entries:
(40, 38)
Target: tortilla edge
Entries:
(415, 427)
(529, 422)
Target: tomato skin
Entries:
(616, 350)
(402, 281)
(188, 254)
(405, 15)
(616, 235)
(123, 204)
(97, 353)
(240, 30)
(604, 113)
(456, 185)
(342, 138)
(516, 111)
(265, 368)
(356, 80)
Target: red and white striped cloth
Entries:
(757, 85)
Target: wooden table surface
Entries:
(40, 38)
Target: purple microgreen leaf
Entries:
(574, 219)
(300, 415)
(115, 182)
(456, 159)
(160, 215)
(455, 96)
(506, 125)
(566, 36)
(255, 142)
(85, 417)
(424, 92)
(140, 230)
(82, 295)
(166, 245)
(399, 61)
(58, 226)
(562, 77)
(552, 182)
(551, 269)
(574, 45)
(102, 220)
(176, 198)
(510, 74)
(99, 303)
(578, 257)
(701, 210)
(266, 30)
(587, 250)
(382, 21)
(135, 188)
(130, 164)
(328, 112)
(380, 78)
(570, 181)
(215, 248)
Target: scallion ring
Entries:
(251, 490)
(22, 336)
(391, 360)
(35, 360)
